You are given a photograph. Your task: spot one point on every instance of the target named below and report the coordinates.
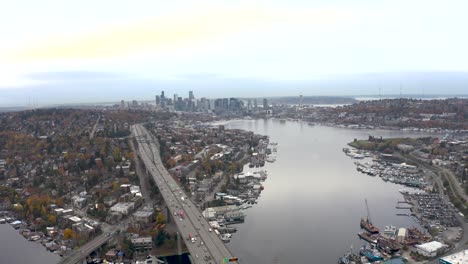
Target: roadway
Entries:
(208, 247)
(93, 131)
(86, 249)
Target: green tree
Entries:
(127, 247)
(159, 239)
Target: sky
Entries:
(54, 51)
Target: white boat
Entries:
(35, 238)
(225, 239)
(358, 156)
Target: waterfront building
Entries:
(457, 258)
(402, 234)
(430, 249)
(212, 213)
(234, 217)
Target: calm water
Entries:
(14, 248)
(313, 200)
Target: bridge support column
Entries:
(179, 247)
(169, 216)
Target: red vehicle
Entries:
(181, 214)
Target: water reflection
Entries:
(313, 200)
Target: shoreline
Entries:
(34, 251)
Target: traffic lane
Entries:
(196, 218)
(185, 230)
(212, 241)
(195, 213)
(214, 245)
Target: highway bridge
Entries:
(78, 255)
(206, 246)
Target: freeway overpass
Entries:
(208, 247)
(78, 255)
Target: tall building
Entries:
(265, 104)
(122, 104)
(163, 99)
(218, 104)
(300, 100)
(225, 103)
(158, 100)
(255, 104)
(191, 96)
(234, 104)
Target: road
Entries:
(86, 249)
(454, 183)
(208, 247)
(91, 135)
(143, 177)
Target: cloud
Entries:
(73, 76)
(173, 31)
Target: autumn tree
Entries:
(160, 219)
(69, 234)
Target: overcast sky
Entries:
(64, 51)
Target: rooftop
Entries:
(457, 258)
(431, 246)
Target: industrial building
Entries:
(402, 235)
(430, 249)
(457, 258)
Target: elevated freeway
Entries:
(206, 247)
(78, 255)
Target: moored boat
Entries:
(371, 254)
(368, 237)
(368, 226)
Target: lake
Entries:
(14, 248)
(314, 197)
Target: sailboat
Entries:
(366, 223)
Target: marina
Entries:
(389, 168)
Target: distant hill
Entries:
(312, 100)
(12, 109)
